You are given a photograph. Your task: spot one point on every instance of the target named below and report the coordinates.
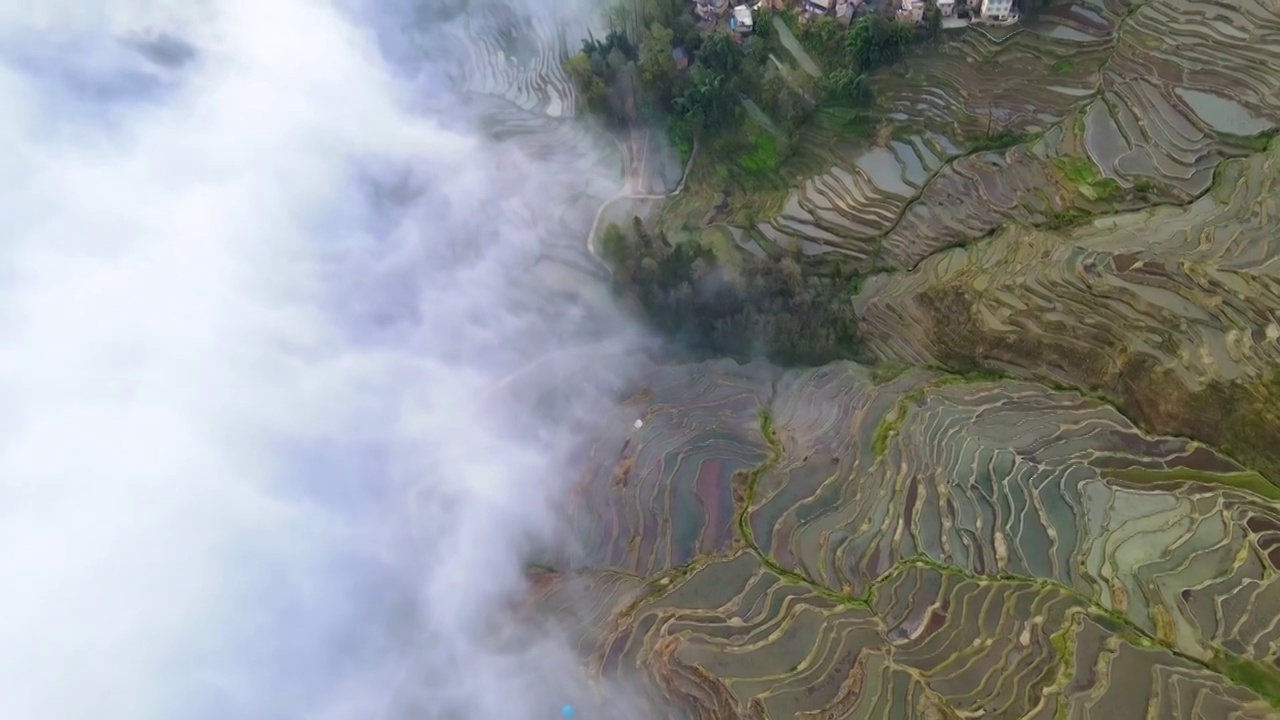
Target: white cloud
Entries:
(223, 370)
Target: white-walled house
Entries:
(998, 10)
(947, 7)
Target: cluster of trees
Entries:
(932, 20)
(789, 99)
(870, 42)
(699, 95)
(773, 307)
(605, 73)
(845, 86)
(789, 308)
(636, 72)
(708, 99)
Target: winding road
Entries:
(632, 181)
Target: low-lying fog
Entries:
(263, 282)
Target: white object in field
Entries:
(639, 424)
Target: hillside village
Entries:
(739, 91)
(668, 58)
(740, 16)
(751, 95)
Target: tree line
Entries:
(657, 65)
(783, 308)
(870, 42)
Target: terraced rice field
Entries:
(507, 59)
(1171, 312)
(785, 544)
(1154, 95)
(839, 543)
(516, 55)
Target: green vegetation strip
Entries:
(1261, 679)
(1083, 175)
(891, 423)
(1249, 481)
(744, 525)
(736, 306)
(1255, 143)
(1002, 140)
(1258, 677)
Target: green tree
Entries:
(874, 41)
(784, 306)
(709, 102)
(590, 85)
(824, 38)
(933, 19)
(785, 103)
(687, 33)
(863, 40)
(657, 67)
(764, 29)
(615, 62)
(720, 54)
(662, 12)
(774, 91)
(845, 87)
(756, 51)
(620, 41)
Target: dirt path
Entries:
(634, 180)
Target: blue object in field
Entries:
(567, 711)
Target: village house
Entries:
(997, 10)
(742, 21)
(822, 7)
(911, 11)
